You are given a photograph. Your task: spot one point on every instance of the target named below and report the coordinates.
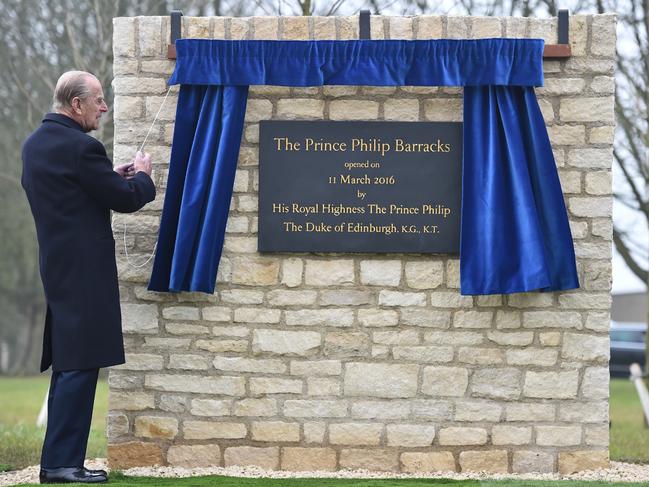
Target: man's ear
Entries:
(76, 104)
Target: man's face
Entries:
(92, 107)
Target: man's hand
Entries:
(125, 170)
(142, 163)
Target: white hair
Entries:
(71, 84)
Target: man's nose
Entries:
(103, 107)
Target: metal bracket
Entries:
(561, 50)
(175, 33)
(364, 25)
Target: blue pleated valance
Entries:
(515, 235)
(445, 62)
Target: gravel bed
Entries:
(618, 472)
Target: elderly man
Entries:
(71, 187)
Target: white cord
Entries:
(128, 258)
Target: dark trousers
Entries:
(69, 411)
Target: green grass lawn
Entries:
(629, 436)
(20, 440)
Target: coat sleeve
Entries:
(102, 183)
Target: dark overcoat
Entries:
(71, 188)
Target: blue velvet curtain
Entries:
(207, 135)
(514, 233)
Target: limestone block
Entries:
(261, 385)
(584, 109)
(314, 432)
(377, 317)
(324, 28)
(139, 318)
(241, 296)
(591, 207)
(257, 110)
(123, 36)
(444, 381)
(492, 461)
(265, 27)
(425, 318)
(558, 435)
(502, 384)
(336, 317)
(255, 271)
(381, 272)
(443, 110)
(295, 27)
(380, 460)
(286, 342)
(308, 459)
(602, 42)
(321, 386)
(300, 108)
(402, 110)
(462, 436)
(480, 356)
(529, 300)
(156, 427)
(420, 462)
(428, 26)
(424, 275)
(477, 411)
(551, 319)
(254, 365)
(292, 272)
(406, 337)
(598, 183)
(423, 354)
(266, 458)
(205, 430)
(134, 86)
(150, 30)
(329, 273)
(410, 435)
(369, 379)
(595, 384)
(210, 407)
(472, 319)
(141, 361)
(551, 385)
(188, 362)
(130, 400)
(522, 411)
(353, 110)
(399, 298)
(281, 297)
(134, 454)
(355, 433)
(453, 337)
(380, 409)
(346, 344)
(315, 408)
(584, 412)
(255, 407)
(257, 315)
(117, 424)
(193, 456)
(526, 461)
(519, 339)
(314, 368)
(220, 346)
(511, 435)
(229, 386)
(275, 431)
(585, 347)
(532, 356)
(576, 461)
(486, 27)
(217, 313)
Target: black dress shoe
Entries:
(96, 472)
(68, 475)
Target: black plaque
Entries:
(359, 186)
